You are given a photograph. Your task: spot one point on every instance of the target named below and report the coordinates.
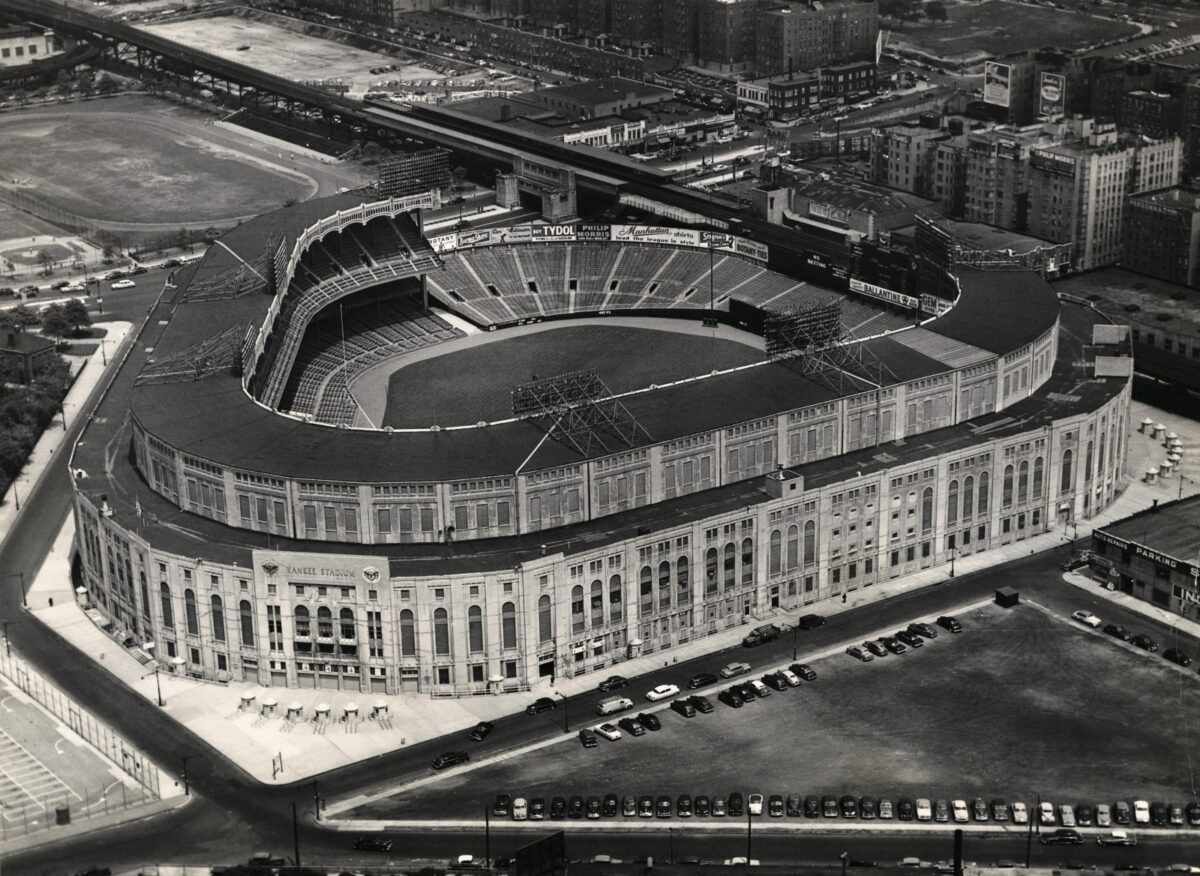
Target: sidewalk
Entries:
(43, 453)
(345, 732)
(1141, 606)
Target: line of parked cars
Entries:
(913, 636)
(1141, 640)
(739, 805)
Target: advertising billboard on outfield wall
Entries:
(997, 84)
(1052, 96)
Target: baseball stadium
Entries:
(346, 453)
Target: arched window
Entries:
(710, 571)
(577, 608)
(1100, 458)
(775, 553)
(168, 615)
(927, 509)
(952, 503)
(324, 623)
(408, 634)
(793, 547)
(747, 562)
(597, 601)
(346, 623)
(189, 610)
(303, 625)
(508, 625)
(441, 632)
(1023, 481)
(475, 629)
(730, 564)
(1068, 476)
(218, 618)
(545, 620)
(1087, 463)
(646, 590)
(1006, 497)
(683, 582)
(810, 542)
(1038, 477)
(664, 584)
(616, 600)
(246, 613)
(968, 497)
(984, 500)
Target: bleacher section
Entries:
(332, 268)
(378, 324)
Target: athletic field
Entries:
(997, 27)
(474, 384)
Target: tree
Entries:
(20, 317)
(107, 85)
(76, 314)
(935, 10)
(54, 321)
(45, 260)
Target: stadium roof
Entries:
(1070, 389)
(214, 419)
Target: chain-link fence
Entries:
(23, 813)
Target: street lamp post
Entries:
(7, 647)
(187, 787)
(566, 717)
(795, 633)
(953, 556)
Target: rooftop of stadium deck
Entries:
(1071, 389)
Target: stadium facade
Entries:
(227, 513)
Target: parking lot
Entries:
(1020, 704)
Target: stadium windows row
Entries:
(288, 618)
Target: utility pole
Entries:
(296, 836)
(187, 788)
(1033, 816)
(316, 801)
(487, 837)
(749, 845)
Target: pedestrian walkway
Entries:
(284, 735)
(46, 451)
(1132, 603)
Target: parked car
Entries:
(541, 704)
(684, 707)
(1193, 814)
(701, 704)
(868, 808)
(893, 645)
(632, 727)
(1086, 618)
(1064, 836)
(924, 809)
(732, 670)
(122, 284)
(761, 635)
(701, 680)
(859, 654)
(629, 806)
(593, 807)
(737, 805)
(502, 805)
(941, 811)
(1144, 642)
(1122, 813)
(804, 671)
(775, 681)
(795, 806)
(649, 721)
(760, 689)
(923, 629)
(790, 677)
(609, 732)
(810, 621)
(731, 697)
(875, 647)
(1046, 815)
(999, 810)
(719, 807)
(1085, 815)
(910, 639)
(949, 624)
(481, 730)
(683, 806)
(812, 806)
(1066, 815)
(979, 810)
(613, 682)
(886, 810)
(1020, 813)
(537, 809)
(1118, 632)
(1103, 815)
(373, 844)
(702, 806)
(961, 813)
(829, 806)
(1177, 656)
(755, 804)
(575, 807)
(905, 810)
(1117, 838)
(558, 808)
(1141, 812)
(520, 809)
(662, 692)
(587, 738)
(449, 759)
(1158, 814)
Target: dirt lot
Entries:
(283, 53)
(996, 27)
(1020, 703)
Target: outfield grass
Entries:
(1019, 704)
(997, 27)
(120, 166)
(476, 384)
